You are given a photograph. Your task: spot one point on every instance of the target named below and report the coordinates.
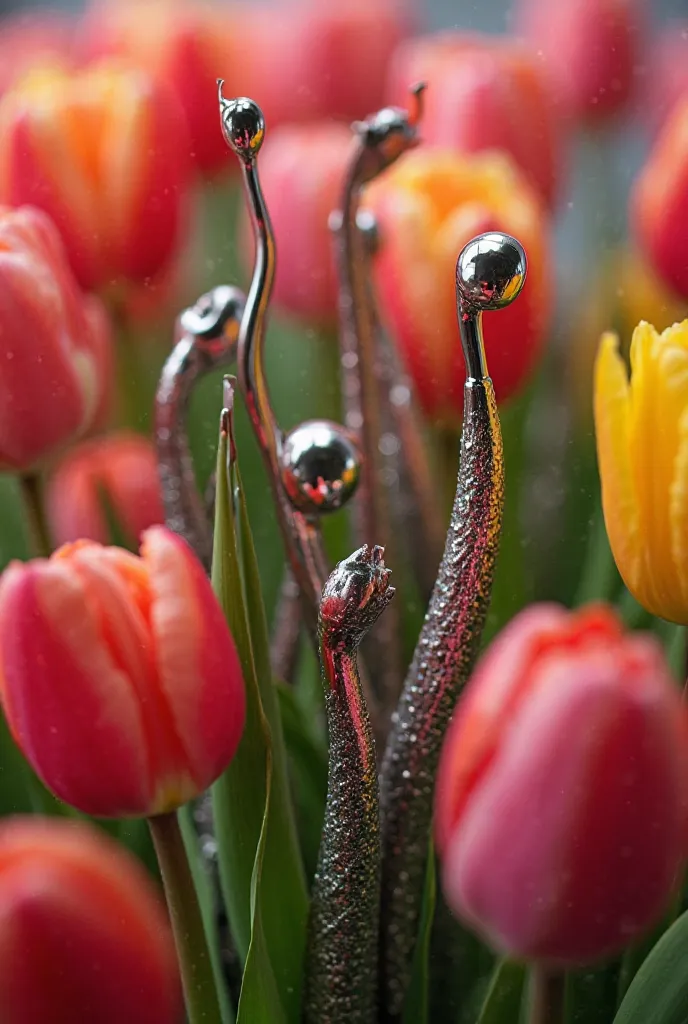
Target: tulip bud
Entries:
(83, 935)
(56, 358)
(428, 207)
(590, 49)
(562, 796)
(118, 675)
(642, 456)
(121, 469)
(185, 44)
(105, 153)
(30, 39)
(660, 202)
(483, 93)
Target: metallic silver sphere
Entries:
(243, 124)
(213, 315)
(490, 271)
(321, 466)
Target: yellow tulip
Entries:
(642, 449)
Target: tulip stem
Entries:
(547, 998)
(37, 523)
(193, 954)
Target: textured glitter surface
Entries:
(341, 973)
(442, 661)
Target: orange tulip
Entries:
(660, 202)
(484, 93)
(562, 795)
(82, 932)
(105, 153)
(56, 347)
(118, 675)
(123, 470)
(428, 206)
(184, 43)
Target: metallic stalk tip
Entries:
(321, 466)
(243, 124)
(215, 315)
(355, 595)
(490, 272)
(416, 112)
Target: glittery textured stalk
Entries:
(490, 273)
(341, 973)
(207, 341)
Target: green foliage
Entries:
(659, 992)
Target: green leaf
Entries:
(503, 998)
(416, 1003)
(659, 992)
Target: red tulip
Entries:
(562, 797)
(56, 358)
(82, 932)
(118, 675)
(590, 49)
(123, 470)
(660, 202)
(30, 39)
(105, 153)
(184, 43)
(428, 206)
(483, 93)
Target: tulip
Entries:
(83, 934)
(118, 675)
(562, 796)
(660, 202)
(667, 79)
(183, 43)
(484, 93)
(30, 39)
(428, 206)
(302, 172)
(590, 49)
(640, 295)
(56, 346)
(123, 470)
(641, 452)
(105, 153)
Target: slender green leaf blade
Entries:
(416, 1004)
(659, 992)
(503, 997)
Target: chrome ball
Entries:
(490, 271)
(321, 466)
(243, 125)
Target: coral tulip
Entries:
(642, 452)
(123, 470)
(660, 202)
(186, 44)
(562, 797)
(105, 153)
(83, 934)
(484, 93)
(118, 675)
(590, 49)
(428, 206)
(57, 350)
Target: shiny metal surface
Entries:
(321, 466)
(341, 966)
(449, 640)
(207, 334)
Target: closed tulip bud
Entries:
(660, 202)
(562, 795)
(118, 675)
(484, 93)
(642, 453)
(184, 43)
(429, 206)
(83, 934)
(590, 49)
(56, 346)
(121, 470)
(105, 153)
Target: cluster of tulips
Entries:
(141, 685)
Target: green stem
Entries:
(548, 995)
(195, 963)
(39, 532)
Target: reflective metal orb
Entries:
(490, 271)
(213, 313)
(321, 466)
(243, 124)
